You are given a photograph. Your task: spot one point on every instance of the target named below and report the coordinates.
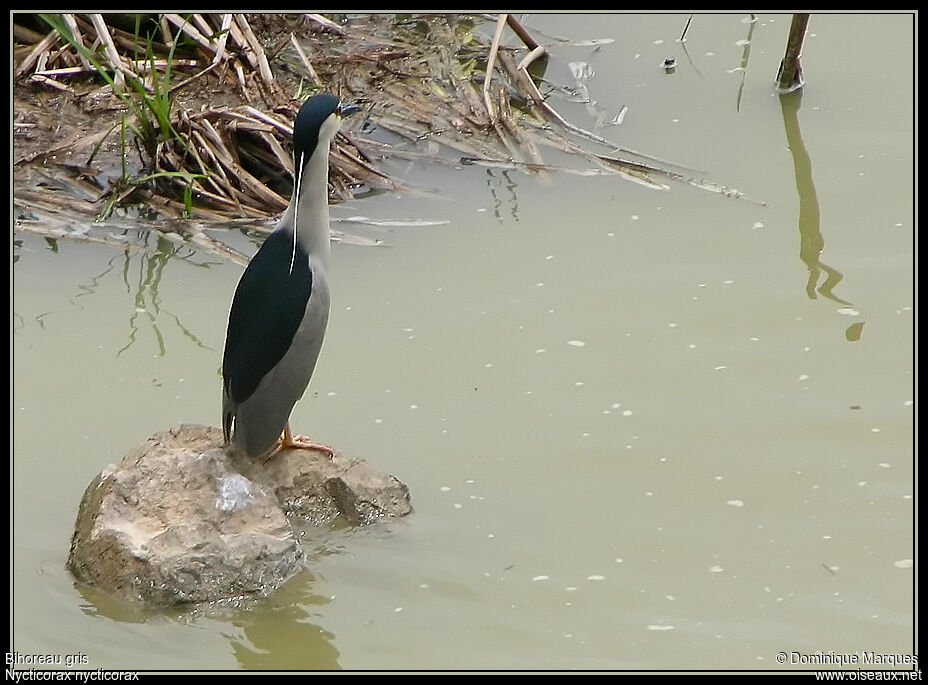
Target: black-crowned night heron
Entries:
(281, 305)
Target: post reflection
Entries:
(811, 239)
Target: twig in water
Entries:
(535, 53)
(685, 29)
(520, 31)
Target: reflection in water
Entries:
(278, 629)
(100, 604)
(88, 290)
(151, 263)
(690, 59)
(148, 280)
(510, 187)
(280, 636)
(745, 57)
(853, 331)
(811, 240)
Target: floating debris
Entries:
(393, 223)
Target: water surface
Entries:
(641, 429)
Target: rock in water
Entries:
(181, 519)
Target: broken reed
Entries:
(422, 78)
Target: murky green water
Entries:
(641, 429)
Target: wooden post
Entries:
(789, 78)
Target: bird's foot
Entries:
(300, 442)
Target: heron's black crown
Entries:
(312, 115)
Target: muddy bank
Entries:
(185, 120)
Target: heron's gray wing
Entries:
(266, 311)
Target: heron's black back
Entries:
(266, 312)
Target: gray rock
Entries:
(315, 488)
(182, 519)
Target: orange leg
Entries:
(290, 441)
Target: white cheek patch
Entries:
(329, 128)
